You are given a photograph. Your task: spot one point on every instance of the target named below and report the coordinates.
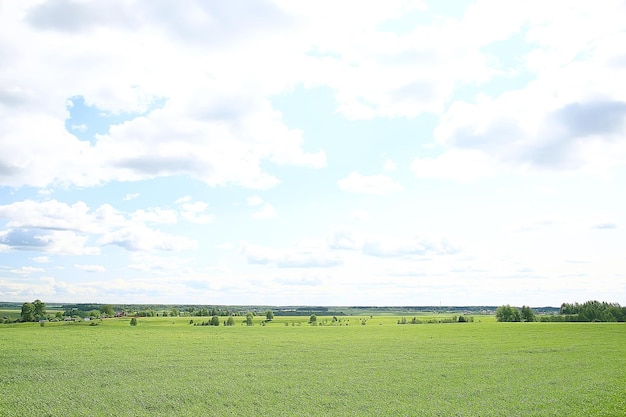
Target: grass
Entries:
(165, 367)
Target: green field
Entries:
(166, 367)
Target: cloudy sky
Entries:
(330, 153)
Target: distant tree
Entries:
(215, 321)
(28, 312)
(269, 315)
(174, 312)
(148, 312)
(39, 309)
(568, 308)
(230, 321)
(214, 311)
(313, 319)
(133, 321)
(249, 319)
(527, 314)
(508, 314)
(107, 310)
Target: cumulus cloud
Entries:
(193, 84)
(90, 268)
(156, 215)
(41, 240)
(302, 255)
(390, 165)
(569, 118)
(50, 214)
(531, 224)
(603, 222)
(148, 262)
(41, 259)
(195, 212)
(182, 78)
(264, 210)
(130, 196)
(344, 239)
(368, 184)
(139, 237)
(56, 227)
(26, 270)
(399, 247)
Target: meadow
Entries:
(166, 367)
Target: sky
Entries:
(313, 153)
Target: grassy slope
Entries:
(165, 367)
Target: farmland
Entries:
(165, 366)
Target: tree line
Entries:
(590, 311)
(594, 311)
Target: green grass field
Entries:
(166, 367)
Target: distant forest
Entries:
(80, 309)
(590, 311)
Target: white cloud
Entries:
(41, 259)
(81, 127)
(390, 165)
(345, 239)
(196, 212)
(139, 237)
(56, 227)
(50, 214)
(419, 246)
(266, 212)
(304, 254)
(569, 118)
(184, 199)
(531, 130)
(532, 224)
(53, 241)
(64, 242)
(603, 222)
(460, 165)
(156, 215)
(216, 125)
(368, 184)
(90, 268)
(130, 196)
(26, 270)
(148, 262)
